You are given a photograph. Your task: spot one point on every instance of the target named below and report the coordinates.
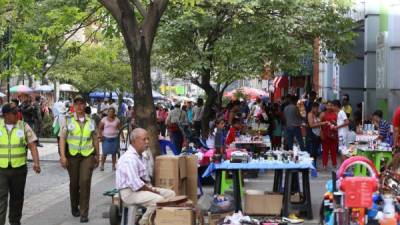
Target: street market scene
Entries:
(199, 112)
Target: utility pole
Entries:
(8, 62)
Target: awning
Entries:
(281, 82)
(298, 81)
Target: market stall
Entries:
(360, 200)
(368, 145)
(289, 161)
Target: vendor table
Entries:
(375, 155)
(366, 137)
(252, 146)
(290, 169)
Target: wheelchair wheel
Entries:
(115, 216)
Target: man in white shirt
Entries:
(198, 113)
(114, 105)
(177, 118)
(104, 107)
(342, 126)
(133, 180)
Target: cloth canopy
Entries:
(251, 93)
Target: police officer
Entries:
(15, 136)
(81, 158)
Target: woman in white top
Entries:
(314, 132)
(109, 129)
(343, 129)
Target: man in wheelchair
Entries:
(133, 180)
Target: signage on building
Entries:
(265, 84)
(335, 77)
(381, 62)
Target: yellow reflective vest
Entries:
(12, 145)
(80, 140)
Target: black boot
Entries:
(84, 219)
(75, 212)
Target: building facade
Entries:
(372, 77)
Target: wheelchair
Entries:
(121, 214)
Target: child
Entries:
(234, 131)
(219, 140)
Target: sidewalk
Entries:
(49, 152)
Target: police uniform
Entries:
(13, 169)
(79, 136)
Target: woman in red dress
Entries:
(329, 135)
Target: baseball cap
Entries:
(79, 98)
(8, 108)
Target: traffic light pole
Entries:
(8, 63)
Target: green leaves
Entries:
(233, 39)
(102, 67)
(40, 29)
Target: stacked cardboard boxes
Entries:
(178, 173)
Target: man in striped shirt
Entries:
(382, 125)
(132, 178)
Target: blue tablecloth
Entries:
(266, 165)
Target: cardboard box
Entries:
(174, 216)
(262, 203)
(191, 178)
(170, 173)
(213, 219)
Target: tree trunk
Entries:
(139, 41)
(144, 107)
(218, 101)
(209, 110)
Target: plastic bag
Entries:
(222, 204)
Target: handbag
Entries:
(174, 127)
(333, 135)
(56, 128)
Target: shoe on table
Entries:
(292, 219)
(101, 168)
(75, 212)
(84, 219)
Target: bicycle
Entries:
(124, 135)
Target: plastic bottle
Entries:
(389, 214)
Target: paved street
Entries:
(47, 198)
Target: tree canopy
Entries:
(234, 39)
(97, 67)
(199, 40)
(223, 41)
(42, 32)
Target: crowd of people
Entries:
(308, 124)
(324, 129)
(319, 127)
(31, 110)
